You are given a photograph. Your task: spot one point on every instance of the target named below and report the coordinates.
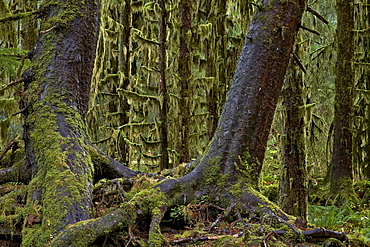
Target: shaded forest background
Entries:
(156, 105)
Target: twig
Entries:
(286, 223)
(130, 234)
(229, 209)
(7, 148)
(298, 61)
(15, 82)
(310, 30)
(317, 15)
(204, 238)
(21, 111)
(262, 225)
(50, 29)
(21, 64)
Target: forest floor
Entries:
(206, 224)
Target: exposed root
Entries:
(106, 167)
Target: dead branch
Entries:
(7, 148)
(317, 15)
(310, 30)
(14, 82)
(229, 209)
(299, 63)
(204, 238)
(18, 16)
(50, 29)
(21, 111)
(286, 223)
(324, 233)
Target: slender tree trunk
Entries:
(54, 131)
(341, 170)
(162, 87)
(184, 74)
(293, 185)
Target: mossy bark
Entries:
(184, 71)
(162, 86)
(341, 180)
(293, 185)
(54, 130)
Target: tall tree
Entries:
(293, 183)
(341, 169)
(362, 103)
(185, 74)
(55, 107)
(162, 86)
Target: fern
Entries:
(10, 59)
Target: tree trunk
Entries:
(54, 130)
(248, 112)
(184, 74)
(341, 180)
(293, 185)
(238, 146)
(162, 87)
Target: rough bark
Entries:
(184, 74)
(54, 130)
(246, 119)
(162, 87)
(341, 180)
(293, 185)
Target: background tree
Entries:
(293, 197)
(341, 171)
(195, 100)
(362, 75)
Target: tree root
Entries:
(106, 167)
(153, 203)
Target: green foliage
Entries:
(333, 217)
(215, 39)
(9, 60)
(353, 221)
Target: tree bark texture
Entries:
(293, 185)
(243, 129)
(341, 170)
(184, 71)
(242, 132)
(56, 101)
(162, 87)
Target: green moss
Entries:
(60, 187)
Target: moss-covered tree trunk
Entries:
(184, 71)
(244, 126)
(341, 170)
(293, 185)
(162, 87)
(56, 101)
(243, 129)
